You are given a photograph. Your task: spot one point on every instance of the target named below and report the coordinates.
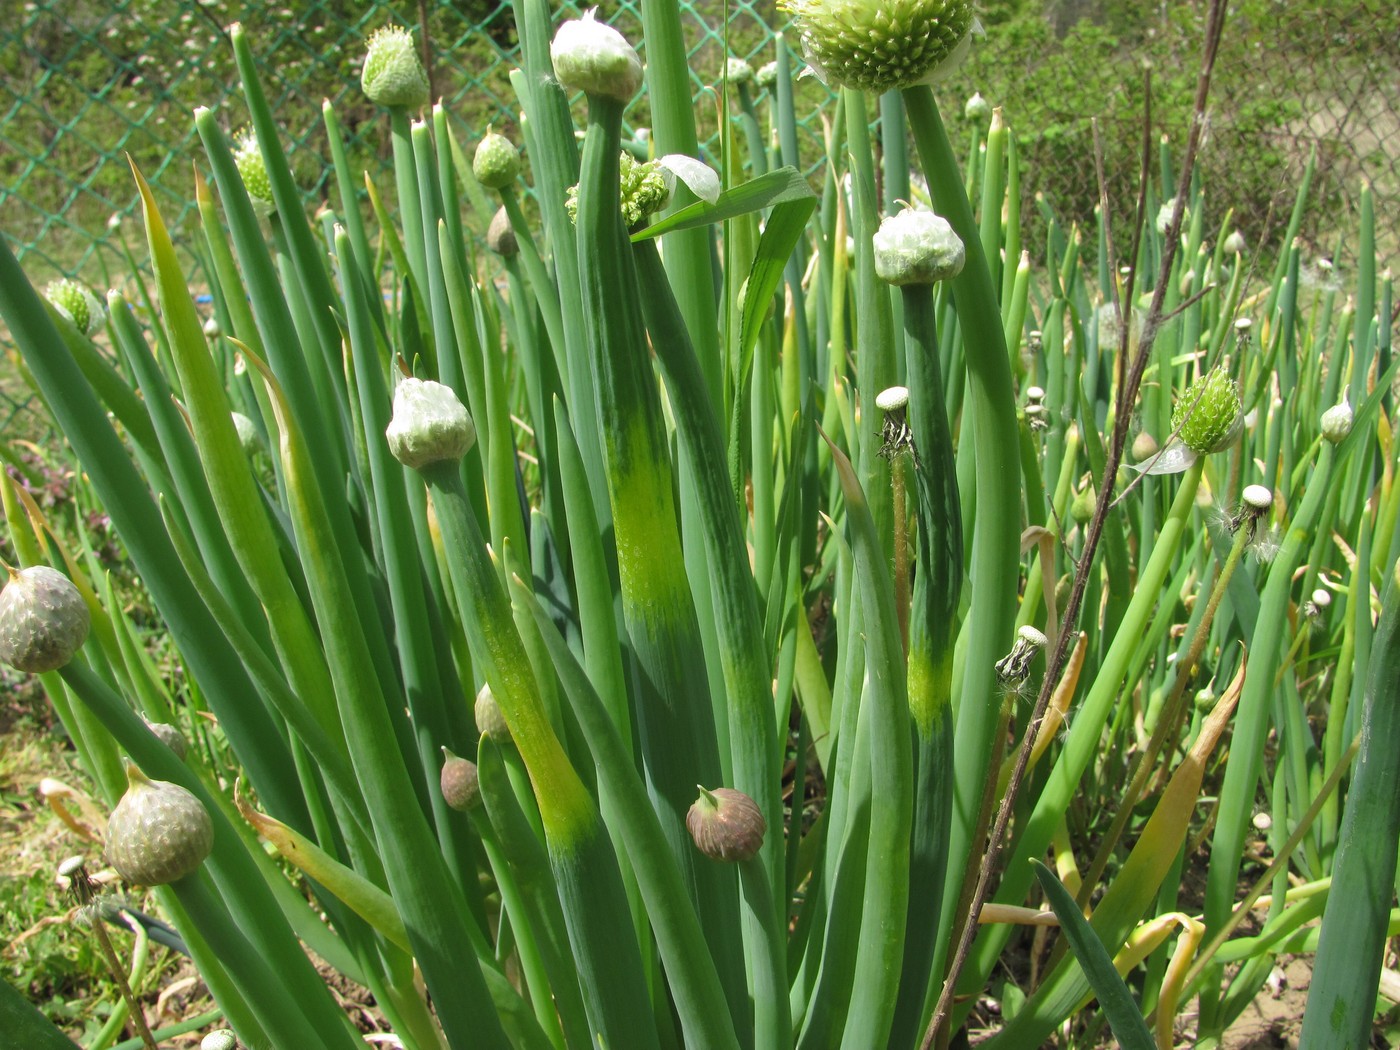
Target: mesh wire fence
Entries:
(86, 83)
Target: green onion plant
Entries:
(639, 633)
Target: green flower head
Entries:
(75, 302)
(393, 73)
(881, 45)
(1210, 415)
(251, 166)
(644, 191)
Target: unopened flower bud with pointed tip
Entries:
(917, 247)
(884, 45)
(77, 303)
(593, 57)
(489, 717)
(977, 108)
(1235, 243)
(429, 424)
(1337, 422)
(500, 235)
(1209, 417)
(1144, 447)
(726, 825)
(168, 735)
(43, 620)
(393, 74)
(496, 163)
(248, 437)
(212, 329)
(460, 782)
(158, 833)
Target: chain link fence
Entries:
(85, 83)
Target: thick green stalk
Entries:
(585, 867)
(933, 614)
(694, 981)
(1237, 790)
(669, 91)
(671, 692)
(744, 664)
(1083, 741)
(433, 909)
(1342, 998)
(995, 562)
(246, 898)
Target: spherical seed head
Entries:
(393, 74)
(1209, 417)
(489, 717)
(593, 57)
(158, 833)
(766, 75)
(500, 235)
(429, 424)
(253, 169)
(1337, 422)
(171, 737)
(496, 163)
(978, 108)
(881, 45)
(77, 303)
(892, 399)
(737, 71)
(917, 247)
(726, 825)
(1257, 497)
(1032, 636)
(460, 784)
(43, 620)
(223, 1039)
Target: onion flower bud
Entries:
(1209, 417)
(726, 825)
(43, 620)
(593, 57)
(496, 163)
(429, 424)
(253, 169)
(917, 247)
(393, 74)
(882, 45)
(159, 832)
(77, 303)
